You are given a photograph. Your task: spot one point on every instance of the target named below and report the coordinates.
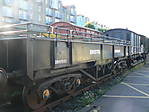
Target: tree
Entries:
(90, 25)
(102, 29)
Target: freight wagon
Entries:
(38, 62)
(139, 42)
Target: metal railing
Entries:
(56, 33)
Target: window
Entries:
(38, 1)
(55, 4)
(72, 19)
(73, 11)
(57, 14)
(49, 12)
(57, 20)
(48, 20)
(67, 18)
(23, 15)
(31, 16)
(48, 3)
(39, 18)
(8, 2)
(39, 8)
(24, 5)
(7, 11)
(8, 20)
(59, 5)
(1, 19)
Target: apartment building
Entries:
(37, 11)
(82, 20)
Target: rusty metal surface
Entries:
(49, 106)
(12, 54)
(84, 52)
(107, 52)
(41, 54)
(61, 54)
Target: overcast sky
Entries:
(131, 14)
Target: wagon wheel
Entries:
(31, 98)
(115, 70)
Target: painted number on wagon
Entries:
(94, 51)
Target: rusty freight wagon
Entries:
(38, 62)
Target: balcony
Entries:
(72, 19)
(24, 18)
(49, 12)
(48, 20)
(8, 20)
(23, 15)
(59, 16)
(24, 5)
(7, 12)
(38, 1)
(8, 2)
(73, 12)
(55, 4)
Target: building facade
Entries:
(82, 20)
(37, 11)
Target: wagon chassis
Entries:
(48, 107)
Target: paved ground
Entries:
(131, 95)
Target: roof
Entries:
(122, 29)
(71, 24)
(67, 6)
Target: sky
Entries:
(131, 14)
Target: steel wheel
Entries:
(31, 99)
